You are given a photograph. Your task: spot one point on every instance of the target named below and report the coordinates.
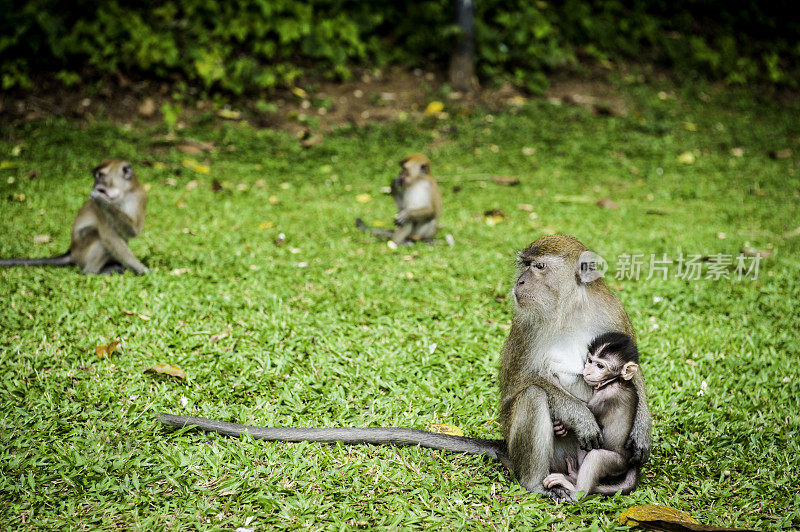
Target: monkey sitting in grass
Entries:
(610, 365)
(113, 214)
(418, 201)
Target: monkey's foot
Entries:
(555, 480)
(560, 494)
(557, 493)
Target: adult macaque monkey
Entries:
(562, 303)
(612, 362)
(113, 214)
(418, 200)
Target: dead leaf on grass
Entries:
(147, 107)
(363, 198)
(654, 517)
(229, 114)
(607, 203)
(752, 252)
(781, 154)
(132, 313)
(687, 157)
(434, 108)
(214, 339)
(167, 369)
(493, 216)
(197, 167)
(309, 139)
(506, 180)
(572, 199)
(440, 428)
(300, 93)
(791, 234)
(189, 149)
(104, 351)
(42, 239)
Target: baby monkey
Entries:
(610, 365)
(418, 200)
(113, 214)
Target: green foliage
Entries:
(171, 113)
(256, 45)
(520, 39)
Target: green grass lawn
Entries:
(333, 328)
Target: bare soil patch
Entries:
(372, 96)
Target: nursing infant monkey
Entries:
(610, 365)
(561, 304)
(418, 200)
(113, 214)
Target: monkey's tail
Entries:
(383, 233)
(58, 260)
(625, 485)
(495, 449)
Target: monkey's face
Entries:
(542, 281)
(113, 179)
(601, 368)
(412, 168)
(598, 369)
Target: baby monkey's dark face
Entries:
(610, 356)
(600, 368)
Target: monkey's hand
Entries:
(590, 437)
(572, 467)
(638, 445)
(559, 428)
(99, 198)
(402, 218)
(576, 416)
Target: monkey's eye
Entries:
(600, 366)
(539, 265)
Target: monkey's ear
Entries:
(426, 168)
(590, 267)
(629, 370)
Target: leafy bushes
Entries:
(252, 45)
